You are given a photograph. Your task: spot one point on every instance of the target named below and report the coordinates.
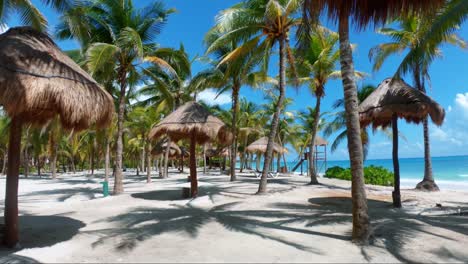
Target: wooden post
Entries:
(11, 237)
(396, 165)
(193, 166)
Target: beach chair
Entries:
(270, 174)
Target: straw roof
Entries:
(38, 81)
(160, 149)
(260, 145)
(192, 117)
(213, 152)
(364, 12)
(319, 141)
(398, 97)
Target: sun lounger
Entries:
(270, 174)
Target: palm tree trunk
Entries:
(204, 158)
(193, 167)
(312, 169)
(396, 165)
(428, 183)
(358, 193)
(5, 160)
(142, 159)
(118, 181)
(262, 188)
(107, 161)
(257, 166)
(148, 162)
(11, 236)
(282, 154)
(166, 159)
(235, 106)
(53, 163)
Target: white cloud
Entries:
(449, 109)
(461, 101)
(209, 97)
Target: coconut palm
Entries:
(259, 25)
(232, 76)
(338, 124)
(315, 69)
(407, 37)
(362, 12)
(116, 45)
(28, 13)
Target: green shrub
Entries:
(375, 175)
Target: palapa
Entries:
(194, 122)
(160, 149)
(395, 99)
(260, 145)
(37, 83)
(319, 141)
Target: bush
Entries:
(375, 175)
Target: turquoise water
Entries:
(453, 170)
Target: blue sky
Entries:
(449, 77)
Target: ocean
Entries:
(449, 172)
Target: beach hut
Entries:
(37, 83)
(194, 122)
(395, 99)
(259, 147)
(161, 146)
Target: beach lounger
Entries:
(270, 174)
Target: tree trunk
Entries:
(5, 160)
(204, 159)
(193, 167)
(118, 182)
(166, 159)
(312, 169)
(148, 162)
(396, 164)
(257, 166)
(282, 154)
(107, 161)
(262, 188)
(428, 183)
(53, 163)
(235, 107)
(278, 162)
(360, 231)
(11, 236)
(92, 158)
(142, 158)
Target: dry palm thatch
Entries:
(397, 97)
(160, 148)
(319, 141)
(260, 145)
(192, 118)
(192, 121)
(364, 12)
(38, 81)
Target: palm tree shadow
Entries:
(392, 228)
(144, 223)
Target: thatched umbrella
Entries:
(395, 99)
(161, 146)
(319, 141)
(37, 83)
(260, 145)
(192, 121)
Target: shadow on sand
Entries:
(39, 232)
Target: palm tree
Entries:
(362, 12)
(115, 44)
(259, 25)
(338, 124)
(231, 76)
(28, 13)
(407, 37)
(317, 67)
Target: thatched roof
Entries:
(38, 82)
(398, 97)
(213, 152)
(192, 117)
(364, 12)
(260, 145)
(319, 141)
(160, 149)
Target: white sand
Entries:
(67, 220)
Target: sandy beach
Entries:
(68, 220)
